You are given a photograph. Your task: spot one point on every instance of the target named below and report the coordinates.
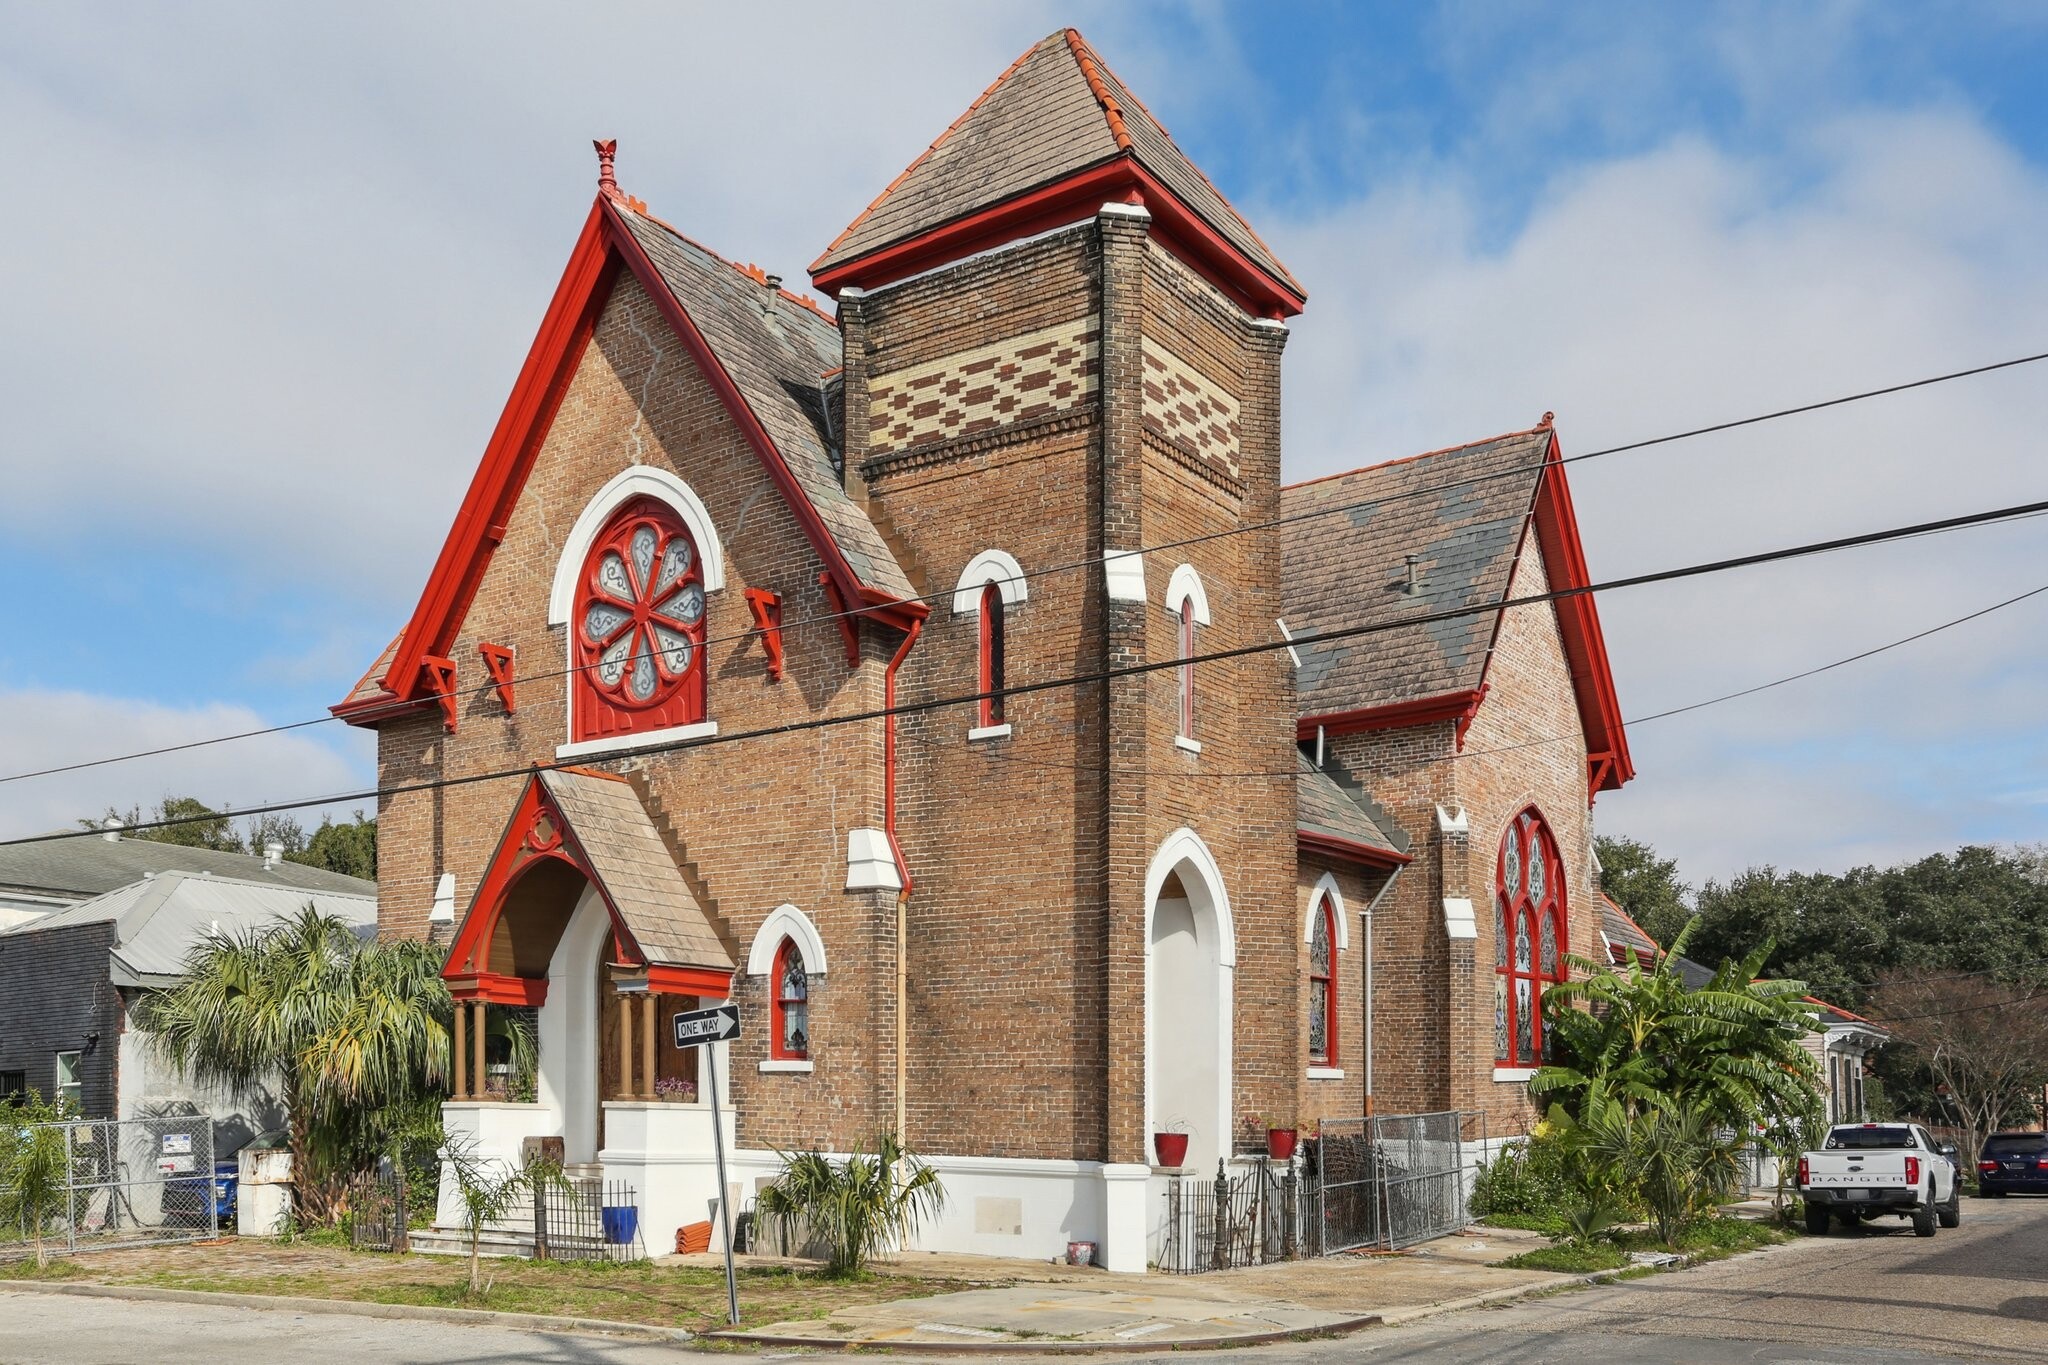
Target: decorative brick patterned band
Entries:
(1018, 379)
(1186, 408)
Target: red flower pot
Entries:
(1171, 1148)
(1280, 1143)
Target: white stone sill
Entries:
(627, 744)
(980, 732)
(660, 1106)
(1326, 1073)
(495, 1104)
(1513, 1075)
(1186, 745)
(788, 1064)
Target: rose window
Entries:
(641, 626)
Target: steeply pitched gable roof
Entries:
(1055, 114)
(766, 354)
(1464, 512)
(1626, 939)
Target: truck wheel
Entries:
(1952, 1211)
(1816, 1221)
(1923, 1218)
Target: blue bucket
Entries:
(621, 1223)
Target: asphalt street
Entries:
(1979, 1292)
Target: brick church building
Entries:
(840, 665)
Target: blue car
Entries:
(2013, 1163)
(185, 1199)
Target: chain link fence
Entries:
(121, 1183)
(1389, 1182)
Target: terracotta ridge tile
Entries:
(752, 272)
(925, 155)
(1086, 60)
(1410, 459)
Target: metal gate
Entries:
(134, 1182)
(377, 1211)
(1248, 1219)
(1386, 1183)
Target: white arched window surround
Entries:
(1186, 586)
(1326, 888)
(1188, 605)
(785, 924)
(641, 481)
(1183, 853)
(990, 566)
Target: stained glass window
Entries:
(640, 624)
(1322, 988)
(1529, 936)
(991, 656)
(792, 1004)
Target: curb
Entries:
(473, 1317)
(1050, 1348)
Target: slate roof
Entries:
(777, 351)
(1332, 803)
(1624, 936)
(159, 920)
(1057, 111)
(1463, 511)
(635, 870)
(91, 865)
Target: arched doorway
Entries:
(1190, 959)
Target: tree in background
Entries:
(204, 826)
(1984, 1041)
(1646, 886)
(355, 1033)
(349, 847)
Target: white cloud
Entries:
(40, 729)
(1692, 284)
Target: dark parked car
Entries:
(2013, 1163)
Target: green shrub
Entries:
(1571, 1259)
(1529, 1179)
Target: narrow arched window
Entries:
(1528, 936)
(790, 1005)
(990, 679)
(639, 626)
(1187, 668)
(1322, 986)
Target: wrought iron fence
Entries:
(576, 1218)
(377, 1211)
(133, 1182)
(1247, 1219)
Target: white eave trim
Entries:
(646, 739)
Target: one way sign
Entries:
(707, 1026)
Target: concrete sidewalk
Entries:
(1061, 1308)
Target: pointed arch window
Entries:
(638, 642)
(1189, 604)
(1322, 985)
(790, 1005)
(1188, 628)
(1529, 936)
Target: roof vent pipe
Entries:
(273, 854)
(113, 829)
(774, 283)
(1414, 585)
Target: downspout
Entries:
(1392, 877)
(902, 866)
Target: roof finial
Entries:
(607, 150)
(1548, 418)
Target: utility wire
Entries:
(1123, 671)
(829, 618)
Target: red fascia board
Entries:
(736, 404)
(374, 711)
(1394, 715)
(543, 379)
(1178, 228)
(1349, 850)
(699, 981)
(1578, 624)
(497, 989)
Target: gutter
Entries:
(910, 636)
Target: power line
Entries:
(1128, 670)
(829, 618)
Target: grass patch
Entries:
(1547, 1223)
(1570, 1260)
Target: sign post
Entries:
(703, 1028)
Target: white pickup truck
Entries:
(1867, 1169)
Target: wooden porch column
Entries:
(625, 1049)
(647, 1046)
(461, 1041)
(476, 1051)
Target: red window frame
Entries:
(1187, 668)
(989, 676)
(604, 701)
(785, 993)
(1322, 985)
(1530, 920)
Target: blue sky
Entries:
(269, 275)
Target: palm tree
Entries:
(861, 1206)
(34, 1166)
(355, 1033)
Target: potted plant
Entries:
(1280, 1143)
(1170, 1144)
